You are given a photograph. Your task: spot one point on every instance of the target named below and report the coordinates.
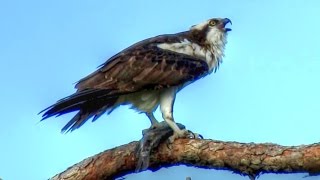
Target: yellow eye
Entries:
(212, 23)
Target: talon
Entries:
(179, 134)
(184, 134)
(193, 135)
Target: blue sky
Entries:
(267, 89)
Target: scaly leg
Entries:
(167, 98)
(153, 120)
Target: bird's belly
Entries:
(144, 101)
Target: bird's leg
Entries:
(166, 106)
(153, 120)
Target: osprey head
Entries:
(212, 31)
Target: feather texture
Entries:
(139, 74)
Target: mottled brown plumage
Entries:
(145, 75)
(144, 66)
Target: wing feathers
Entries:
(144, 73)
(144, 67)
(139, 67)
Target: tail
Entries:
(89, 103)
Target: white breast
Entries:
(212, 56)
(142, 101)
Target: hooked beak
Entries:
(225, 21)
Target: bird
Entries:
(146, 75)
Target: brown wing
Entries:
(141, 66)
(144, 66)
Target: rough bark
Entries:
(244, 158)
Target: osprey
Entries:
(146, 75)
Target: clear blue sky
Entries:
(267, 89)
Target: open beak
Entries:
(226, 21)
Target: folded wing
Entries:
(140, 67)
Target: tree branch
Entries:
(246, 159)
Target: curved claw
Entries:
(193, 135)
(185, 134)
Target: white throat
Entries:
(217, 41)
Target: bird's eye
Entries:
(212, 23)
